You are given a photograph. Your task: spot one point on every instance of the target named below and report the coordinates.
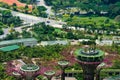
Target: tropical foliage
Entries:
(110, 6)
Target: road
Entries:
(31, 20)
(6, 31)
(42, 3)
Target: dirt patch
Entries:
(19, 4)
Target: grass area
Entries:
(59, 30)
(98, 21)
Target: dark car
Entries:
(48, 21)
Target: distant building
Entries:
(104, 42)
(45, 43)
(74, 42)
(37, 0)
(26, 42)
(116, 39)
(9, 48)
(103, 12)
(81, 40)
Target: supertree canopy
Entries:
(29, 70)
(49, 74)
(63, 64)
(89, 59)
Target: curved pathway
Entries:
(42, 3)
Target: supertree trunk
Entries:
(63, 74)
(88, 71)
(63, 65)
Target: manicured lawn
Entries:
(59, 31)
(98, 21)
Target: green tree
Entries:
(41, 8)
(117, 18)
(14, 6)
(26, 8)
(70, 35)
(6, 14)
(35, 12)
(116, 64)
(1, 32)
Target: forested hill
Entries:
(74, 2)
(77, 2)
(111, 6)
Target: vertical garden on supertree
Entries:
(63, 65)
(89, 59)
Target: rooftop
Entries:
(8, 42)
(63, 42)
(9, 48)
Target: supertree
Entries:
(22, 71)
(89, 59)
(49, 74)
(26, 71)
(63, 65)
(29, 70)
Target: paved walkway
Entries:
(67, 78)
(42, 3)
